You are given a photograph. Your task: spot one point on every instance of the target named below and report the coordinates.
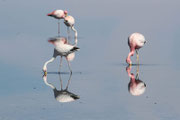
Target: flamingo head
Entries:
(45, 71)
(65, 13)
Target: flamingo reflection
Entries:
(136, 87)
(62, 95)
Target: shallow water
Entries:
(100, 75)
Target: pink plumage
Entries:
(135, 42)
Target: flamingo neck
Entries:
(76, 34)
(128, 60)
(46, 63)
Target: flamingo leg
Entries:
(75, 35)
(69, 66)
(60, 65)
(58, 28)
(137, 57)
(68, 32)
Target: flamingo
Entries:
(62, 48)
(135, 42)
(62, 95)
(136, 87)
(58, 14)
(69, 21)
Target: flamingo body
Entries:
(136, 40)
(62, 47)
(69, 21)
(58, 14)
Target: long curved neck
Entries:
(46, 63)
(131, 53)
(76, 34)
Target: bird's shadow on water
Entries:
(65, 73)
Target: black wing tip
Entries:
(74, 49)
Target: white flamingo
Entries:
(62, 48)
(58, 14)
(135, 42)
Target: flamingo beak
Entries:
(51, 41)
(50, 14)
(45, 73)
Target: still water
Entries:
(101, 85)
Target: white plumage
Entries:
(62, 48)
(69, 21)
(58, 14)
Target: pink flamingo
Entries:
(135, 42)
(136, 87)
(58, 14)
(62, 48)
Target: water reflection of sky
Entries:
(103, 84)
